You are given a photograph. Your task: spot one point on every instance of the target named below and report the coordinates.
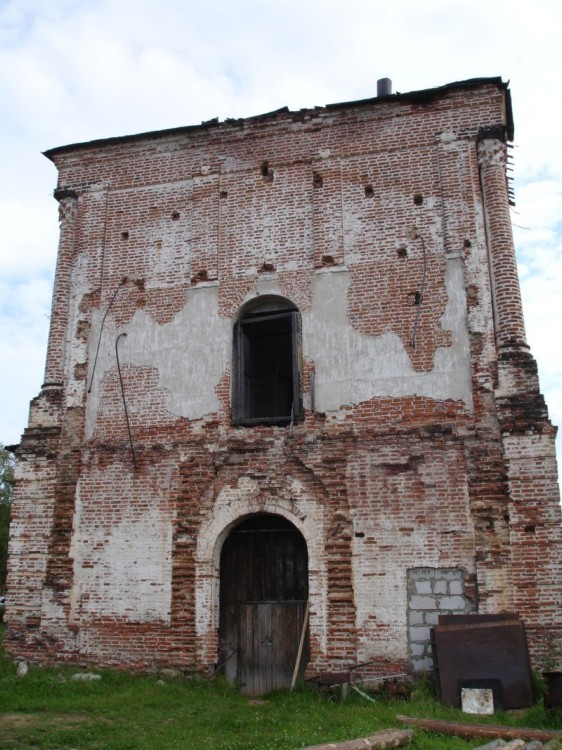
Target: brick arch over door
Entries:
(233, 505)
(263, 604)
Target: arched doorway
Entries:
(263, 597)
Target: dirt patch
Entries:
(31, 720)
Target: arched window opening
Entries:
(267, 364)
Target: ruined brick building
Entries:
(287, 392)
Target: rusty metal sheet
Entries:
(472, 619)
(479, 651)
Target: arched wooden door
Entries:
(263, 596)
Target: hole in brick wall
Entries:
(266, 268)
(266, 172)
(488, 522)
(175, 215)
(359, 534)
(369, 191)
(472, 294)
(80, 371)
(317, 180)
(531, 528)
(415, 298)
(200, 275)
(124, 235)
(223, 194)
(402, 252)
(418, 199)
(467, 243)
(328, 260)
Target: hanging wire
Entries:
(124, 401)
(420, 294)
(123, 282)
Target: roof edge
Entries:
(419, 96)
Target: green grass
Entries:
(48, 711)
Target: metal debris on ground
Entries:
(397, 685)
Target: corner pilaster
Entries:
(68, 212)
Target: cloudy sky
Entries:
(76, 70)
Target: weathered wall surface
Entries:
(425, 443)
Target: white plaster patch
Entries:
(447, 139)
(352, 367)
(497, 585)
(190, 353)
(125, 571)
(76, 348)
(395, 541)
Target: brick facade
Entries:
(425, 457)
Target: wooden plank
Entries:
(245, 647)
(479, 730)
(301, 646)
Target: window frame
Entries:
(270, 309)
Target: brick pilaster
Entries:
(68, 212)
(508, 310)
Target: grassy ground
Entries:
(48, 711)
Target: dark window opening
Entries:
(267, 387)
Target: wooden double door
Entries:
(263, 596)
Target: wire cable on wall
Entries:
(123, 282)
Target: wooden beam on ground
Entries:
(479, 730)
(301, 645)
(379, 741)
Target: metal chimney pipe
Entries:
(384, 87)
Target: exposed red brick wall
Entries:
(386, 223)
